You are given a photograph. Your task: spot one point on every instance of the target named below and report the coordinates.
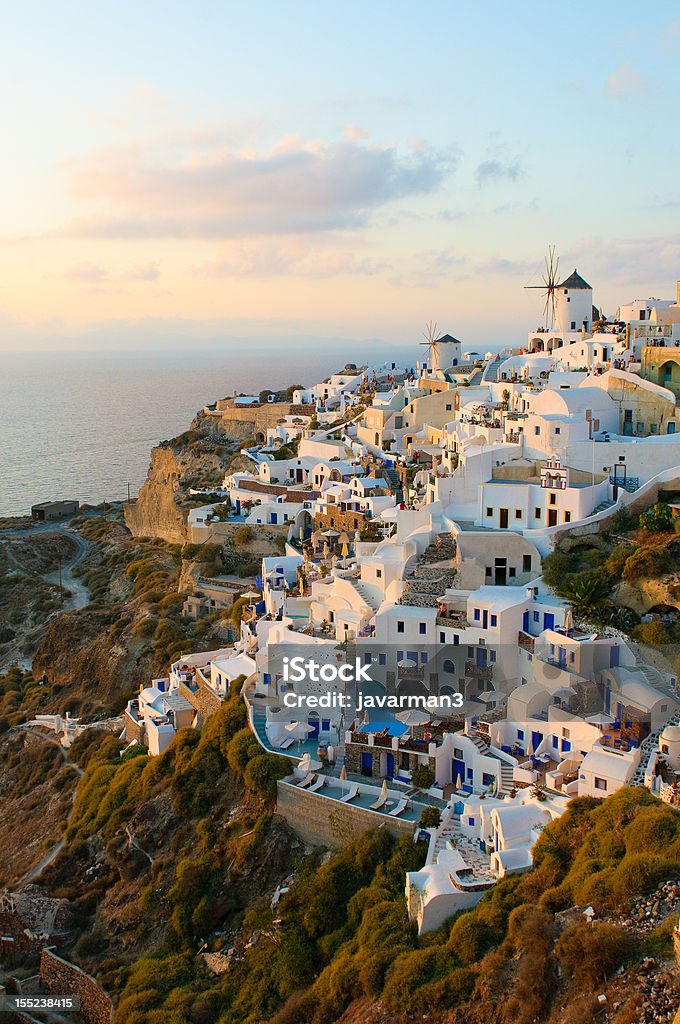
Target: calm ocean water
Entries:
(75, 425)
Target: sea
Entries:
(81, 424)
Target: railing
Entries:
(455, 621)
(526, 642)
(478, 671)
(628, 483)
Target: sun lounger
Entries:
(308, 779)
(399, 809)
(350, 794)
(320, 781)
(380, 802)
(288, 742)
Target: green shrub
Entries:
(422, 777)
(658, 519)
(590, 953)
(647, 563)
(262, 772)
(430, 817)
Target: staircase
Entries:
(365, 594)
(507, 778)
(491, 371)
(434, 573)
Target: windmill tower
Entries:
(549, 288)
(442, 351)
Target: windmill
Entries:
(549, 286)
(430, 334)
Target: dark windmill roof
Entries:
(449, 339)
(574, 281)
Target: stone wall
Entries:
(246, 421)
(134, 731)
(64, 978)
(353, 752)
(324, 822)
(203, 699)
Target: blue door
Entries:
(457, 771)
(614, 657)
(671, 427)
(275, 518)
(314, 722)
(525, 622)
(367, 764)
(536, 740)
(548, 620)
(390, 766)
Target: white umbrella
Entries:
(383, 790)
(413, 717)
(569, 620)
(343, 779)
(302, 726)
(491, 696)
(251, 595)
(309, 764)
(600, 719)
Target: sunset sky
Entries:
(225, 170)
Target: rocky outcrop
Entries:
(644, 594)
(156, 512)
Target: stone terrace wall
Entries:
(325, 822)
(60, 976)
(203, 699)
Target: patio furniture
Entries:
(320, 782)
(350, 794)
(380, 802)
(307, 781)
(288, 742)
(399, 809)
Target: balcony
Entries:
(628, 483)
(526, 642)
(455, 620)
(484, 672)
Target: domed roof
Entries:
(671, 733)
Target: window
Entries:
(653, 428)
(537, 513)
(492, 656)
(382, 660)
(471, 652)
(442, 638)
(573, 322)
(378, 574)
(325, 724)
(520, 734)
(367, 659)
(448, 408)
(512, 571)
(450, 668)
(477, 614)
(456, 639)
(489, 512)
(664, 707)
(458, 754)
(565, 734)
(600, 783)
(518, 513)
(488, 779)
(537, 616)
(537, 431)
(471, 821)
(487, 571)
(558, 430)
(423, 658)
(555, 742)
(422, 628)
(526, 563)
(494, 620)
(400, 627)
(553, 499)
(567, 517)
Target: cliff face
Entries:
(156, 512)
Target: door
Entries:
(536, 740)
(501, 572)
(457, 771)
(671, 428)
(485, 619)
(314, 722)
(298, 475)
(367, 764)
(390, 765)
(503, 513)
(275, 518)
(525, 622)
(548, 620)
(481, 658)
(552, 517)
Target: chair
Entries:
(320, 782)
(351, 794)
(288, 742)
(307, 781)
(380, 802)
(399, 809)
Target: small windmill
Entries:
(431, 336)
(549, 286)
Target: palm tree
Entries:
(588, 593)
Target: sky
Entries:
(178, 173)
